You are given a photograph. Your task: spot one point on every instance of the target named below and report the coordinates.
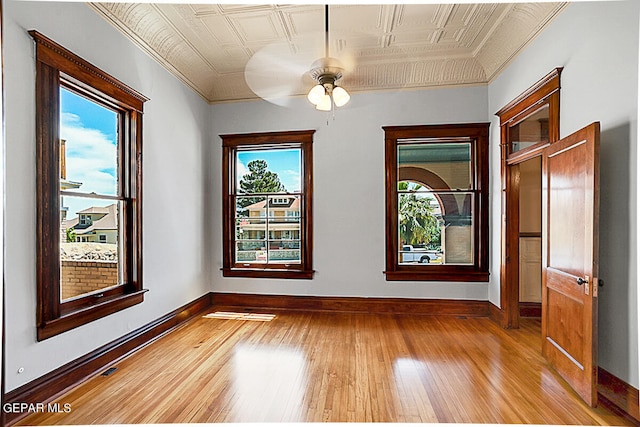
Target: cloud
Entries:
(241, 170)
(91, 159)
(291, 180)
(91, 156)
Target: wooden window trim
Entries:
(55, 67)
(295, 139)
(478, 133)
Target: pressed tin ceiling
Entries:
(216, 49)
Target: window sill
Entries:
(437, 276)
(268, 273)
(50, 328)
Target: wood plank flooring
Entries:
(338, 367)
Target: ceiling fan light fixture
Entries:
(316, 94)
(340, 96)
(324, 104)
(326, 72)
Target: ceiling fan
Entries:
(279, 71)
(326, 72)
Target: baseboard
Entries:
(530, 309)
(618, 396)
(55, 383)
(496, 314)
(436, 307)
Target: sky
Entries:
(286, 163)
(90, 131)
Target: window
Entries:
(437, 202)
(531, 122)
(89, 141)
(267, 205)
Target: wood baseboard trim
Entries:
(530, 309)
(435, 307)
(618, 396)
(496, 314)
(57, 382)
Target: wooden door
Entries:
(570, 199)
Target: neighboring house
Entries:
(95, 224)
(283, 224)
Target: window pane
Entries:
(88, 146)
(268, 171)
(419, 225)
(268, 227)
(89, 246)
(530, 131)
(458, 232)
(284, 229)
(251, 229)
(434, 228)
(441, 166)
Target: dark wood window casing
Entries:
(57, 68)
(232, 144)
(477, 134)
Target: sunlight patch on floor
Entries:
(229, 315)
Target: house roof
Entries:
(97, 210)
(108, 222)
(293, 203)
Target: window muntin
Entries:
(74, 188)
(437, 183)
(268, 204)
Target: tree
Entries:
(71, 235)
(416, 222)
(258, 180)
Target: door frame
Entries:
(510, 270)
(544, 92)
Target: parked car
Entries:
(412, 254)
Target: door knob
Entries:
(581, 281)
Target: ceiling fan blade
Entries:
(278, 71)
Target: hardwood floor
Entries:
(314, 367)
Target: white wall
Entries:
(597, 44)
(175, 132)
(348, 187)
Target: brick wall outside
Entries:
(81, 277)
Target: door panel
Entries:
(531, 268)
(570, 203)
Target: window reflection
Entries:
(534, 129)
(256, 368)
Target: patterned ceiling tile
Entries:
(211, 47)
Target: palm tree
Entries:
(416, 222)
